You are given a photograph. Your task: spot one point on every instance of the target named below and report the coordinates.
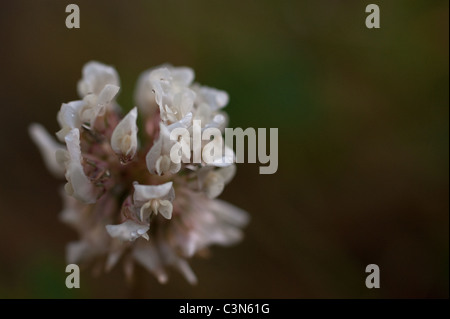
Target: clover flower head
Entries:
(124, 195)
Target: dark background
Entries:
(363, 119)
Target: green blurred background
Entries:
(363, 119)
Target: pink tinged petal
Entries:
(79, 251)
(114, 257)
(128, 230)
(124, 137)
(47, 147)
(229, 213)
(224, 235)
(186, 270)
(148, 257)
(128, 269)
(190, 248)
(171, 258)
(144, 193)
(185, 239)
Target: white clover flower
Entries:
(158, 158)
(154, 199)
(124, 137)
(172, 93)
(95, 105)
(118, 182)
(98, 87)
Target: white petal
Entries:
(144, 96)
(216, 99)
(174, 167)
(124, 137)
(153, 155)
(73, 145)
(128, 230)
(172, 94)
(95, 105)
(226, 160)
(79, 183)
(162, 165)
(165, 208)
(182, 75)
(107, 94)
(156, 150)
(183, 102)
(144, 193)
(159, 82)
(185, 122)
(47, 147)
(68, 117)
(95, 77)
